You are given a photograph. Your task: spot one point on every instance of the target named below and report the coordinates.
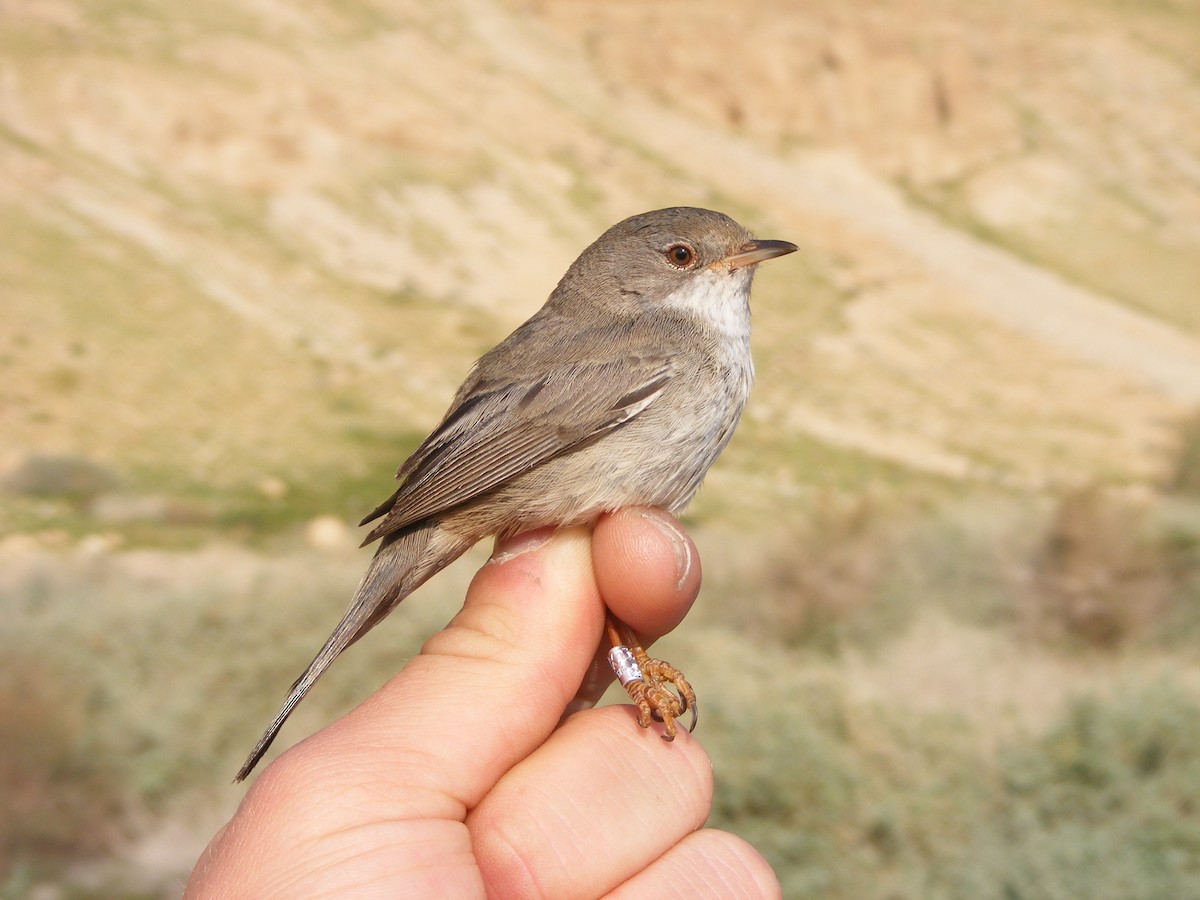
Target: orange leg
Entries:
(657, 689)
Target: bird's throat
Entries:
(720, 298)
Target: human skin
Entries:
(457, 779)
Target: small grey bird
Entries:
(620, 391)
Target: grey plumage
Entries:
(620, 391)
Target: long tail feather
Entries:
(402, 564)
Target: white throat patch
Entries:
(719, 297)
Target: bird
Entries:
(621, 390)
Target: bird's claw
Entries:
(657, 689)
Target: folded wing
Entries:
(500, 429)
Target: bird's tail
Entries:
(403, 563)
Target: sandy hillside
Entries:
(241, 239)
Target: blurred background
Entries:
(953, 553)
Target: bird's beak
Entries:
(756, 251)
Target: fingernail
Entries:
(680, 545)
(519, 544)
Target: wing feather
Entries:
(492, 435)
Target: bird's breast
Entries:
(657, 459)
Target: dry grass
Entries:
(1184, 479)
(1104, 574)
(904, 741)
(57, 794)
(137, 681)
(250, 251)
(960, 724)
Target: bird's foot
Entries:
(657, 688)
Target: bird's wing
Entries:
(505, 427)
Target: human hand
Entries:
(453, 780)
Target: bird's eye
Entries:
(681, 256)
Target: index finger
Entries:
(486, 691)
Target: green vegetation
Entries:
(948, 642)
(856, 786)
(850, 782)
(861, 802)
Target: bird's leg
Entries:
(657, 688)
